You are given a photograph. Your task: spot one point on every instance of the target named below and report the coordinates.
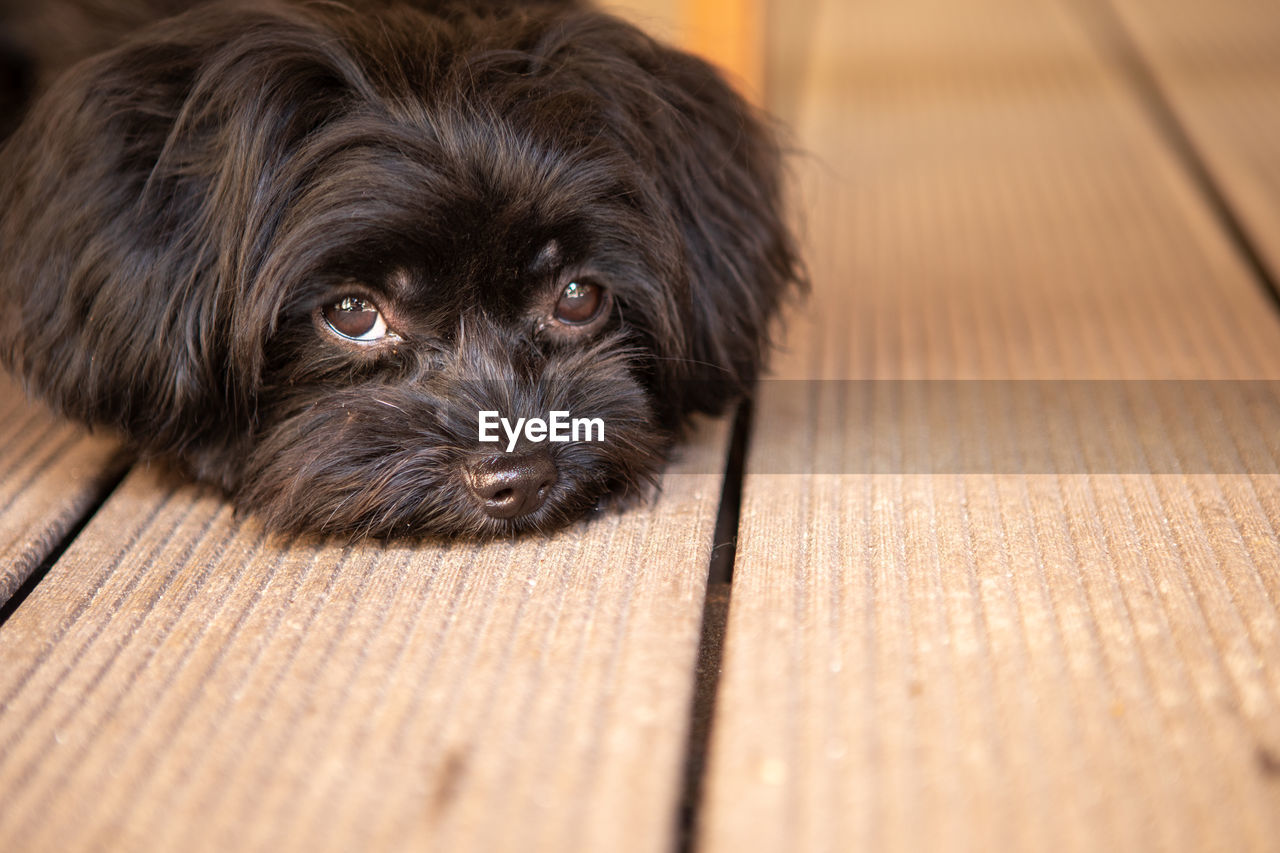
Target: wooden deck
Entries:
(1074, 655)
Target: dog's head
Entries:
(302, 248)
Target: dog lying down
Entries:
(369, 266)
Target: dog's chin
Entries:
(398, 458)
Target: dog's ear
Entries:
(717, 163)
(136, 199)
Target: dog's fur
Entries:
(176, 208)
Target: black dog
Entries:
(301, 246)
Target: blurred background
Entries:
(1046, 189)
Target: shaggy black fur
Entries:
(177, 210)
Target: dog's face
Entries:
(303, 248)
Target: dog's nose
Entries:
(511, 486)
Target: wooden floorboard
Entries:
(52, 475)
(179, 681)
(1078, 657)
(1217, 65)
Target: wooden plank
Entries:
(1218, 66)
(51, 475)
(1080, 658)
(181, 681)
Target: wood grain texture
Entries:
(51, 475)
(180, 681)
(1070, 660)
(1218, 66)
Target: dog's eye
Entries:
(355, 318)
(580, 302)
